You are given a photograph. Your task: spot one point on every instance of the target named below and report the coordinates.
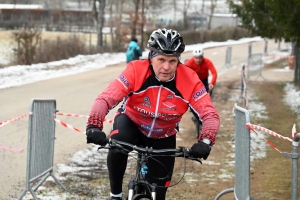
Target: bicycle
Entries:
(138, 186)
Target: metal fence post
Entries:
(40, 149)
(243, 87)
(249, 49)
(242, 156)
(295, 156)
(255, 65)
(266, 46)
(228, 57)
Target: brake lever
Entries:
(103, 147)
(107, 141)
(196, 159)
(187, 154)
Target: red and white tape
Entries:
(72, 115)
(68, 126)
(16, 150)
(84, 116)
(288, 57)
(294, 132)
(14, 119)
(71, 127)
(252, 126)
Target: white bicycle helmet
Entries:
(198, 52)
(167, 42)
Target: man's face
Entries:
(198, 59)
(164, 66)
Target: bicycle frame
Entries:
(138, 186)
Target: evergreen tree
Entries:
(276, 19)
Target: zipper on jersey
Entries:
(156, 110)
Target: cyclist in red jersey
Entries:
(158, 92)
(203, 66)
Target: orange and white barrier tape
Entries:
(14, 119)
(68, 126)
(71, 127)
(294, 132)
(288, 57)
(251, 127)
(75, 115)
(16, 150)
(84, 116)
(72, 115)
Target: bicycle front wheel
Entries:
(141, 197)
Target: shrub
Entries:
(50, 50)
(218, 35)
(32, 49)
(27, 40)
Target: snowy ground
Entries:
(83, 161)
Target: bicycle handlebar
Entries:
(180, 152)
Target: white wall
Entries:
(219, 20)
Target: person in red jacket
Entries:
(203, 66)
(156, 92)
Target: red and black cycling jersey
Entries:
(157, 107)
(203, 69)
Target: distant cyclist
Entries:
(203, 66)
(134, 51)
(159, 91)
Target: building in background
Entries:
(223, 20)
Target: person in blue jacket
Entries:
(133, 51)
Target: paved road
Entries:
(75, 94)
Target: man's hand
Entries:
(200, 150)
(95, 135)
(211, 86)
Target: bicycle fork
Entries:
(134, 188)
(132, 195)
(130, 189)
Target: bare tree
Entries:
(8, 1)
(98, 10)
(136, 17)
(111, 25)
(27, 40)
(119, 31)
(142, 24)
(186, 6)
(174, 9)
(212, 9)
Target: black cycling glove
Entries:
(200, 150)
(95, 135)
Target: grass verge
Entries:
(271, 177)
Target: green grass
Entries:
(272, 175)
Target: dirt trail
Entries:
(76, 93)
(217, 173)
